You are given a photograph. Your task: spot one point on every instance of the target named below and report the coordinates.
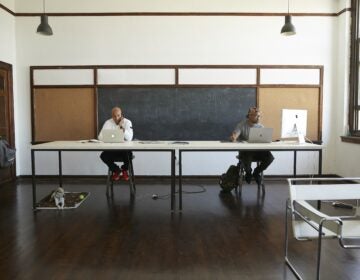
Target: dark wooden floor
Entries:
(215, 237)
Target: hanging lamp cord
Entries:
(288, 7)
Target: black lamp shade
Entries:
(288, 29)
(44, 27)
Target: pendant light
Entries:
(288, 29)
(44, 27)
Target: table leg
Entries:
(33, 179)
(320, 173)
(320, 162)
(172, 193)
(295, 159)
(180, 181)
(60, 170)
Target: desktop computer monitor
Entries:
(293, 123)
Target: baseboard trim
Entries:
(162, 177)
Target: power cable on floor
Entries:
(166, 196)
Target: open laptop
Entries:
(113, 136)
(260, 135)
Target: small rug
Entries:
(72, 200)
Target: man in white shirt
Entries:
(118, 121)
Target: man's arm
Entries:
(236, 133)
(126, 125)
(234, 136)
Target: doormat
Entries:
(72, 200)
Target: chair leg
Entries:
(287, 209)
(287, 261)
(319, 251)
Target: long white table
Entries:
(171, 147)
(217, 146)
(143, 146)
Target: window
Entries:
(354, 104)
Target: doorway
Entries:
(7, 116)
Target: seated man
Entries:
(118, 121)
(241, 132)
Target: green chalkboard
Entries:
(206, 113)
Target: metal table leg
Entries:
(180, 180)
(33, 179)
(172, 194)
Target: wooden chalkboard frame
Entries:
(257, 85)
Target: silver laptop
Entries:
(260, 135)
(113, 136)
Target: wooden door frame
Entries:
(8, 68)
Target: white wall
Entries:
(10, 4)
(179, 40)
(7, 35)
(249, 6)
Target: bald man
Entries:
(241, 132)
(117, 121)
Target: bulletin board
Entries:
(271, 101)
(64, 114)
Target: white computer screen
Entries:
(293, 122)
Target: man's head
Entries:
(116, 114)
(253, 115)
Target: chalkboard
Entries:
(178, 113)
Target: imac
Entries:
(293, 124)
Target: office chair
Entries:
(242, 176)
(110, 182)
(309, 223)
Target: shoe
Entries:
(248, 177)
(116, 175)
(125, 175)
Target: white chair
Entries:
(308, 222)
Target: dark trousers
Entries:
(265, 158)
(110, 157)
